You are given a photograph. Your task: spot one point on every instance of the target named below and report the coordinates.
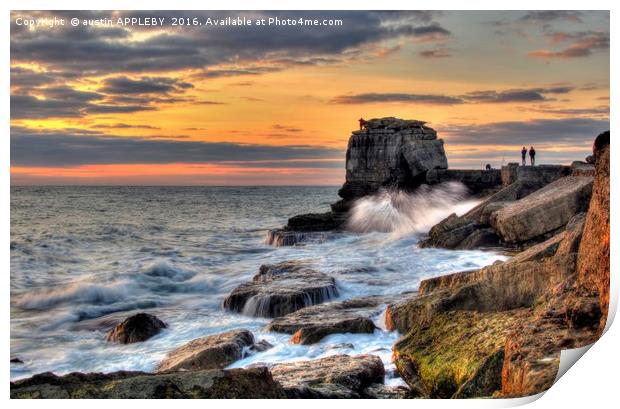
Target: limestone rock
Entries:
(283, 237)
(579, 168)
(309, 325)
(457, 352)
(279, 289)
(254, 383)
(211, 352)
(390, 152)
(593, 258)
(137, 328)
(543, 211)
(381, 391)
(476, 181)
(338, 376)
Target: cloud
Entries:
(602, 110)
(583, 45)
(430, 33)
(286, 128)
(552, 15)
(397, 97)
(144, 85)
(30, 147)
(436, 53)
(123, 126)
(104, 51)
(572, 131)
(485, 96)
(515, 95)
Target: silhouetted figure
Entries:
(362, 123)
(488, 166)
(532, 155)
(523, 154)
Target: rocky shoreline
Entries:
(493, 332)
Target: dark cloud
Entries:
(369, 98)
(548, 131)
(48, 148)
(123, 126)
(515, 95)
(101, 51)
(596, 111)
(552, 15)
(144, 85)
(433, 32)
(286, 128)
(582, 44)
(486, 96)
(436, 53)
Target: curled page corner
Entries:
(568, 357)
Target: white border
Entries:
(592, 381)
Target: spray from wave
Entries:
(401, 213)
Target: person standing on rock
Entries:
(532, 155)
(362, 123)
(523, 153)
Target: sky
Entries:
(117, 104)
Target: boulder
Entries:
(390, 152)
(211, 352)
(316, 222)
(515, 283)
(338, 376)
(579, 168)
(253, 383)
(137, 328)
(543, 211)
(309, 325)
(279, 289)
(381, 391)
(283, 237)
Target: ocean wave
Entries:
(402, 213)
(164, 269)
(78, 292)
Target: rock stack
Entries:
(389, 153)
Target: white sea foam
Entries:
(401, 213)
(83, 292)
(209, 241)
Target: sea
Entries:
(83, 258)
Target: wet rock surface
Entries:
(338, 376)
(310, 325)
(282, 237)
(217, 384)
(136, 328)
(280, 289)
(211, 352)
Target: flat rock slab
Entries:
(282, 237)
(543, 211)
(253, 383)
(309, 325)
(338, 376)
(212, 352)
(137, 328)
(280, 289)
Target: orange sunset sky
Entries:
(276, 105)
